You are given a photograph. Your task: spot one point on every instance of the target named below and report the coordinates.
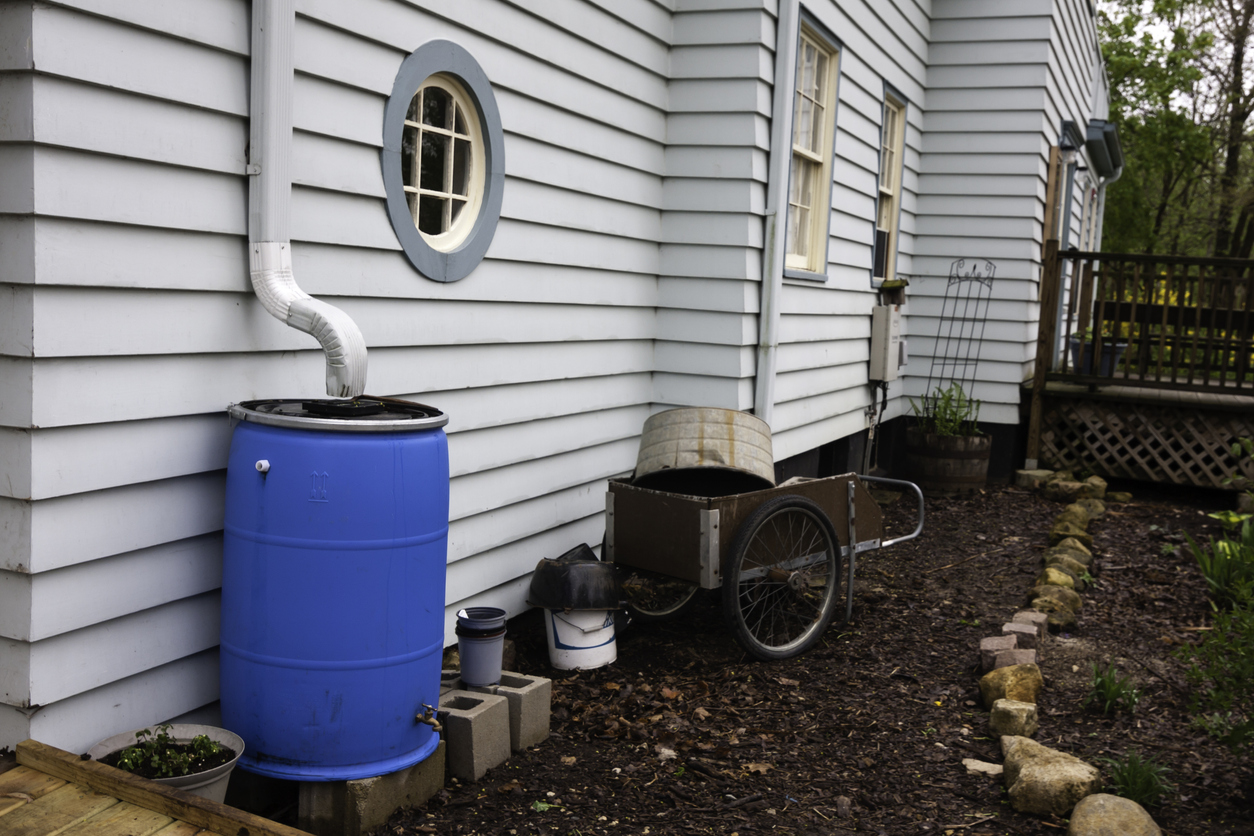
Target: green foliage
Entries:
(1111, 691)
(158, 755)
(1221, 671)
(947, 412)
(1228, 566)
(1138, 779)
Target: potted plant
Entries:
(194, 758)
(1111, 352)
(945, 450)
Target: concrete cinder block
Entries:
(530, 703)
(530, 699)
(1025, 635)
(991, 646)
(1006, 658)
(351, 808)
(476, 728)
(1039, 620)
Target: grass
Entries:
(1112, 692)
(1138, 779)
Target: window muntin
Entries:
(442, 162)
(892, 145)
(809, 185)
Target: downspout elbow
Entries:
(270, 265)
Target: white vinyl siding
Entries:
(624, 277)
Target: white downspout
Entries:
(776, 221)
(269, 203)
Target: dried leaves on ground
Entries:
(867, 733)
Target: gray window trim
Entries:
(819, 28)
(448, 58)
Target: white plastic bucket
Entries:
(580, 640)
(481, 657)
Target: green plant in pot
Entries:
(945, 450)
(198, 759)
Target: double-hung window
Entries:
(813, 127)
(892, 144)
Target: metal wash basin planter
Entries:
(210, 784)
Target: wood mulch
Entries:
(866, 733)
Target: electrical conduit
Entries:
(269, 204)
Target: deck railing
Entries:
(1150, 321)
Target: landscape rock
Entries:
(1026, 636)
(991, 646)
(1053, 576)
(1067, 563)
(1072, 545)
(1069, 598)
(1061, 621)
(1043, 781)
(1031, 479)
(1095, 507)
(982, 767)
(1062, 476)
(1017, 682)
(1118, 496)
(1080, 520)
(1101, 814)
(1094, 488)
(1078, 510)
(1013, 718)
(1069, 531)
(1062, 491)
(1033, 618)
(1245, 503)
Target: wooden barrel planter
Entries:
(947, 465)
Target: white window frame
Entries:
(888, 195)
(454, 231)
(807, 226)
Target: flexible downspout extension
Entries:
(776, 222)
(269, 204)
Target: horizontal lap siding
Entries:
(982, 186)
(718, 136)
(130, 272)
(1004, 75)
(822, 389)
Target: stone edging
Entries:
(1039, 780)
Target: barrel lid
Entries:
(365, 414)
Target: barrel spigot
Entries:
(428, 717)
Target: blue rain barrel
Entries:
(333, 572)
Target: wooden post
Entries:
(1051, 275)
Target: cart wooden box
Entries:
(780, 555)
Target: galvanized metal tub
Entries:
(696, 450)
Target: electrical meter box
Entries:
(888, 349)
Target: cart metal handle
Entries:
(901, 483)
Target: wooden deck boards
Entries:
(54, 793)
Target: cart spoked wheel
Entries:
(655, 597)
(782, 578)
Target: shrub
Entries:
(1111, 691)
(1228, 566)
(1221, 670)
(1138, 779)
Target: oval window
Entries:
(443, 160)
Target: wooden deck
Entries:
(54, 793)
